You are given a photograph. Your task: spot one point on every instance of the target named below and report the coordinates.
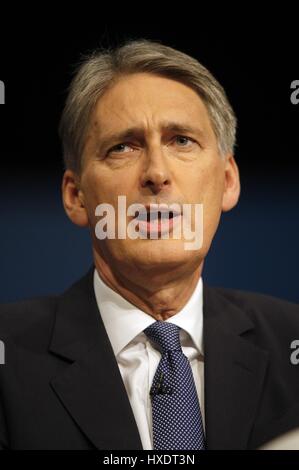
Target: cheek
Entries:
(100, 186)
(207, 183)
(105, 184)
(95, 192)
(215, 189)
(97, 186)
(208, 189)
(212, 206)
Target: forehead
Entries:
(145, 99)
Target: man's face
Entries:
(159, 163)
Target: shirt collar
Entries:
(123, 321)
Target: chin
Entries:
(157, 252)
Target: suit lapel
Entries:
(91, 387)
(234, 373)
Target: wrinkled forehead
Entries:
(149, 101)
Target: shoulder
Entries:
(271, 316)
(28, 322)
(255, 301)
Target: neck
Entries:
(161, 295)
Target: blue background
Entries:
(255, 247)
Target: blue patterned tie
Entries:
(177, 422)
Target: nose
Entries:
(155, 174)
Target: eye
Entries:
(182, 140)
(119, 148)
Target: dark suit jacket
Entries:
(60, 386)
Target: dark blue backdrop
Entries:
(255, 247)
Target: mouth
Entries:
(156, 219)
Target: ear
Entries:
(232, 186)
(73, 199)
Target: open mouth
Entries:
(154, 220)
(149, 216)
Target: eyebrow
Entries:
(133, 132)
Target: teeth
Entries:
(156, 211)
(153, 215)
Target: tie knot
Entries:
(166, 335)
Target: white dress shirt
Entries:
(138, 359)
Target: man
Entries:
(140, 353)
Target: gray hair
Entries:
(101, 69)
